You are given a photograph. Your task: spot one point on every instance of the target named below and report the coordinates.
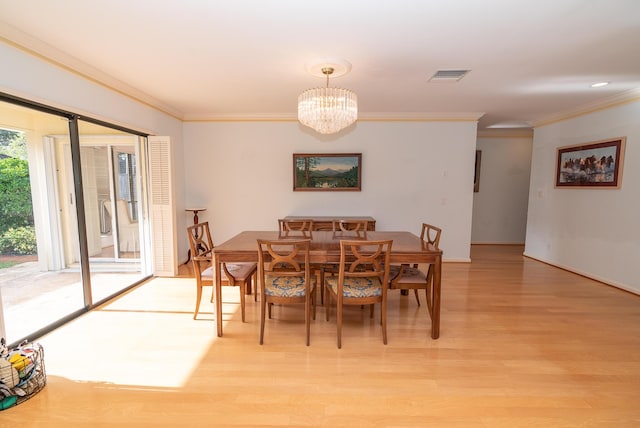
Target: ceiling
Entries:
(530, 61)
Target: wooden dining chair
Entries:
(352, 229)
(417, 277)
(239, 274)
(362, 279)
(299, 225)
(285, 277)
(350, 225)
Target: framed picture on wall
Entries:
(327, 171)
(597, 164)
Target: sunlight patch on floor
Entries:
(144, 338)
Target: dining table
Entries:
(325, 248)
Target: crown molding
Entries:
(622, 98)
(420, 116)
(32, 46)
(506, 133)
(362, 117)
(192, 118)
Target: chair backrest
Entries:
(200, 241)
(300, 225)
(295, 234)
(350, 225)
(431, 234)
(360, 259)
(286, 257)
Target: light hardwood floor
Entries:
(522, 344)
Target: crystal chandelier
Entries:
(327, 110)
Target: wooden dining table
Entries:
(325, 248)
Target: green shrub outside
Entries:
(20, 241)
(16, 208)
(17, 234)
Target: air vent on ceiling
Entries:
(448, 75)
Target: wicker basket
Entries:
(29, 368)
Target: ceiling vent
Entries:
(448, 75)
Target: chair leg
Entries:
(383, 316)
(429, 292)
(327, 306)
(314, 296)
(307, 316)
(322, 286)
(198, 297)
(254, 279)
(417, 298)
(263, 309)
(243, 289)
(339, 323)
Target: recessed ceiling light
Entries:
(599, 84)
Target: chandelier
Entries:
(327, 110)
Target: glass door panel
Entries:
(110, 186)
(40, 281)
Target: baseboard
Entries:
(465, 260)
(604, 281)
(496, 243)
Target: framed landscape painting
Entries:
(327, 171)
(597, 164)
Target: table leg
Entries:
(218, 297)
(435, 322)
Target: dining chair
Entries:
(363, 278)
(417, 277)
(284, 274)
(300, 225)
(350, 225)
(239, 274)
(352, 229)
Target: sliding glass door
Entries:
(58, 259)
(37, 284)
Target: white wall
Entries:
(500, 206)
(412, 172)
(594, 232)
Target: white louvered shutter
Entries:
(162, 210)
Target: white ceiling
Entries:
(530, 61)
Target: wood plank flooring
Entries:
(522, 344)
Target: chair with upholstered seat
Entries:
(285, 277)
(352, 229)
(239, 274)
(417, 277)
(362, 279)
